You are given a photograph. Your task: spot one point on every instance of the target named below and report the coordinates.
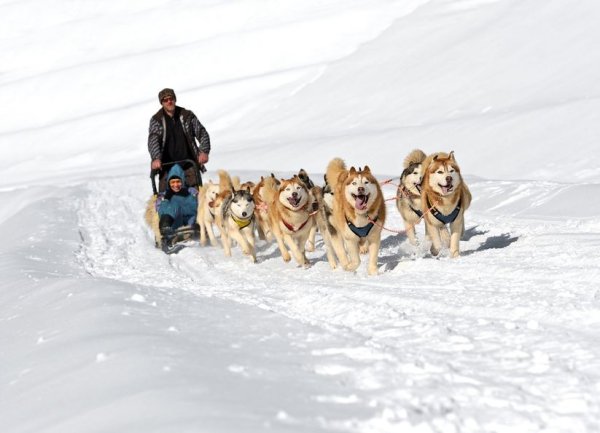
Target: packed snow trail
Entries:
(503, 338)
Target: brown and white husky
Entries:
(445, 197)
(289, 206)
(358, 214)
(408, 195)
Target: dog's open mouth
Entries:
(446, 188)
(294, 201)
(360, 201)
(417, 187)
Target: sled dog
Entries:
(445, 197)
(236, 217)
(151, 218)
(358, 214)
(262, 216)
(313, 190)
(206, 215)
(408, 195)
(321, 208)
(289, 207)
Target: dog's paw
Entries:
(364, 249)
(286, 257)
(351, 267)
(434, 251)
(374, 271)
(310, 246)
(454, 254)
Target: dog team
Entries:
(349, 210)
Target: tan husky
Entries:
(445, 197)
(290, 213)
(358, 214)
(262, 215)
(408, 196)
(206, 214)
(151, 218)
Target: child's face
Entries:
(175, 185)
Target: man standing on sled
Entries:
(172, 137)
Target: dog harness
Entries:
(362, 232)
(444, 219)
(291, 227)
(241, 223)
(417, 211)
(409, 195)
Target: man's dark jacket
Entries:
(157, 134)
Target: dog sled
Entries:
(175, 241)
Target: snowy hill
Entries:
(101, 332)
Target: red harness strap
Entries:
(291, 227)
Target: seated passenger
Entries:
(179, 204)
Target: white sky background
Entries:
(100, 332)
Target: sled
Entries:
(174, 242)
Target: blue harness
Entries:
(444, 219)
(361, 232)
(418, 212)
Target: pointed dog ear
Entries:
(367, 169)
(352, 170)
(435, 157)
(451, 156)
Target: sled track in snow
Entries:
(513, 304)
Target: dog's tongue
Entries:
(293, 201)
(446, 189)
(361, 202)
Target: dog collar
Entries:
(241, 223)
(362, 232)
(444, 219)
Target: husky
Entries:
(262, 216)
(206, 214)
(358, 214)
(314, 191)
(151, 218)
(236, 217)
(289, 207)
(444, 197)
(408, 195)
(322, 209)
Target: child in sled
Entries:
(178, 206)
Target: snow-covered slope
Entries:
(101, 332)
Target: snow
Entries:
(101, 332)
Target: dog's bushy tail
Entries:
(225, 183)
(269, 190)
(335, 169)
(416, 156)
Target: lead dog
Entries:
(358, 214)
(445, 197)
(289, 209)
(408, 196)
